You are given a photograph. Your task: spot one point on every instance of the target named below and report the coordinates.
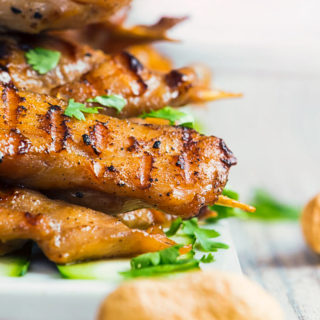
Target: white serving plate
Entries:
(43, 294)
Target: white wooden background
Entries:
(269, 51)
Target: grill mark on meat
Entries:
(134, 144)
(98, 137)
(33, 220)
(145, 171)
(10, 100)
(135, 66)
(16, 144)
(174, 79)
(229, 158)
(55, 124)
(133, 63)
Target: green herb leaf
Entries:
(207, 258)
(76, 109)
(269, 208)
(166, 256)
(202, 236)
(174, 116)
(111, 101)
(159, 263)
(43, 60)
(180, 266)
(175, 225)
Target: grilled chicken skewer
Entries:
(34, 16)
(174, 169)
(68, 233)
(83, 73)
(99, 201)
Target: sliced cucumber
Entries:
(95, 270)
(182, 239)
(16, 264)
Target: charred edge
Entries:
(32, 219)
(15, 10)
(229, 158)
(136, 67)
(181, 162)
(56, 126)
(79, 195)
(134, 64)
(134, 144)
(96, 136)
(24, 144)
(4, 51)
(21, 111)
(111, 169)
(145, 171)
(174, 79)
(37, 15)
(156, 144)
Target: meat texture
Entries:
(99, 201)
(68, 233)
(34, 16)
(83, 73)
(174, 169)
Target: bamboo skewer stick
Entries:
(228, 202)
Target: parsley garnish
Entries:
(207, 258)
(159, 263)
(271, 209)
(170, 260)
(76, 109)
(201, 236)
(111, 101)
(174, 116)
(43, 60)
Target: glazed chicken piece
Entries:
(76, 60)
(113, 36)
(99, 201)
(174, 169)
(68, 233)
(144, 90)
(83, 73)
(34, 16)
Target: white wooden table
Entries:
(276, 256)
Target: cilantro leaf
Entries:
(174, 116)
(271, 209)
(43, 60)
(76, 109)
(207, 258)
(111, 101)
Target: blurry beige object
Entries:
(203, 295)
(310, 221)
(34, 16)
